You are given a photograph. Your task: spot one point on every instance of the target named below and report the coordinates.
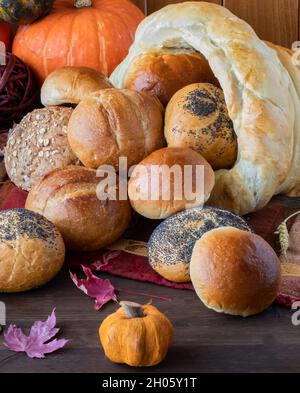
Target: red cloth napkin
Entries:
(124, 264)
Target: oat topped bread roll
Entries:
(197, 117)
(70, 85)
(163, 73)
(261, 90)
(38, 145)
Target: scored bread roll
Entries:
(70, 85)
(32, 250)
(69, 198)
(159, 185)
(38, 145)
(235, 272)
(197, 117)
(171, 244)
(163, 73)
(116, 123)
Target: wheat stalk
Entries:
(282, 231)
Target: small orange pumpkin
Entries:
(136, 335)
(91, 33)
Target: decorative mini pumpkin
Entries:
(22, 12)
(136, 335)
(60, 40)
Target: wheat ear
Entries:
(282, 231)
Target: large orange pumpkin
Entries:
(91, 33)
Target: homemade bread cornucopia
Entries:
(261, 88)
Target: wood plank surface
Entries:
(141, 4)
(205, 341)
(273, 20)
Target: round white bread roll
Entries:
(261, 86)
(32, 250)
(70, 85)
(235, 272)
(38, 145)
(160, 187)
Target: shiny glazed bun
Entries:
(164, 73)
(157, 186)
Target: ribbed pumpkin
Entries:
(91, 33)
(136, 335)
(23, 11)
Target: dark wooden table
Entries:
(204, 340)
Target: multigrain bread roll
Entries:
(70, 199)
(70, 85)
(261, 86)
(171, 244)
(32, 250)
(163, 73)
(235, 272)
(197, 117)
(116, 123)
(160, 187)
(38, 145)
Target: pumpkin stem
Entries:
(132, 310)
(83, 3)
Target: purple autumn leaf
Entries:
(101, 290)
(38, 343)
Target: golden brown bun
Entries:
(197, 117)
(32, 250)
(68, 198)
(235, 272)
(150, 168)
(163, 74)
(116, 123)
(70, 85)
(38, 145)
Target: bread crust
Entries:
(235, 272)
(68, 198)
(32, 250)
(37, 145)
(171, 244)
(149, 172)
(162, 74)
(259, 92)
(70, 85)
(197, 117)
(116, 123)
